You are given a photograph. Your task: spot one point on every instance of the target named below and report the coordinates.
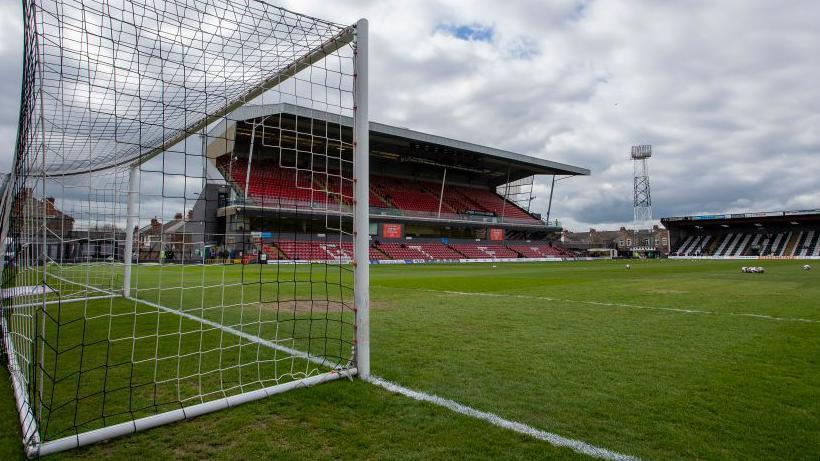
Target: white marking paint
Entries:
(549, 437)
(252, 338)
(770, 317)
(631, 306)
(7, 293)
(553, 439)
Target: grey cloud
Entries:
(725, 91)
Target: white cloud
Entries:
(725, 91)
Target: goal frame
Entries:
(357, 33)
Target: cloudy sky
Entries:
(725, 91)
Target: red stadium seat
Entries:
(479, 199)
(405, 195)
(317, 250)
(539, 250)
(405, 251)
(270, 183)
(484, 251)
(273, 185)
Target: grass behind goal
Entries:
(111, 360)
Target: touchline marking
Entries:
(633, 306)
(554, 439)
(770, 317)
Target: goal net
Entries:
(185, 226)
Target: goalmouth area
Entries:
(188, 339)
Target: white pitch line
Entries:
(632, 306)
(252, 338)
(549, 437)
(771, 317)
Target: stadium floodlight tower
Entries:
(642, 195)
(117, 312)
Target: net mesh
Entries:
(178, 222)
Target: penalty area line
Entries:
(631, 306)
(554, 439)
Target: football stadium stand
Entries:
(477, 251)
(396, 250)
(406, 195)
(270, 184)
(316, 250)
(310, 250)
(540, 250)
(779, 234)
(271, 190)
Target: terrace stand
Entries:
(126, 304)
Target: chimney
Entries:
(190, 214)
(50, 200)
(155, 223)
(178, 216)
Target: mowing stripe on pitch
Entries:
(631, 306)
(554, 439)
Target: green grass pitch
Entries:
(667, 360)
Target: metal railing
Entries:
(343, 208)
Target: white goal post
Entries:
(185, 226)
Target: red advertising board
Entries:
(496, 234)
(391, 231)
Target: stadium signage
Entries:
(763, 214)
(391, 231)
(710, 217)
(480, 213)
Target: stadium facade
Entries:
(271, 191)
(778, 234)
